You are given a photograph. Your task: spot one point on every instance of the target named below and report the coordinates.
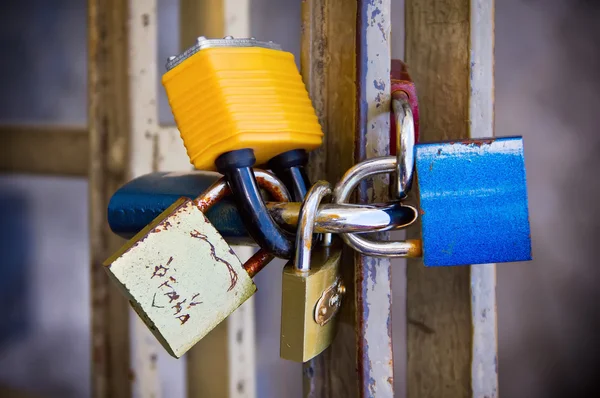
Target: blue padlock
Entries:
(473, 201)
(141, 200)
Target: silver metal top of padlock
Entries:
(228, 41)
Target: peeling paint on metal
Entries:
(373, 275)
(165, 151)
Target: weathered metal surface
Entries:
(181, 277)
(257, 262)
(109, 140)
(451, 311)
(157, 147)
(373, 275)
(473, 202)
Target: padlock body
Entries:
(229, 98)
(180, 276)
(302, 338)
(473, 201)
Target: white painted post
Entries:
(153, 148)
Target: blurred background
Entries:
(547, 90)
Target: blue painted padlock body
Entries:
(141, 200)
(473, 196)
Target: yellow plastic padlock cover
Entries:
(229, 98)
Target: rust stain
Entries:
(232, 274)
(421, 211)
(416, 249)
(273, 190)
(257, 262)
(208, 199)
(478, 143)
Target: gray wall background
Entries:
(546, 90)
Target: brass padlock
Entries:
(312, 288)
(180, 275)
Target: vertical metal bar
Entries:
(373, 275)
(451, 311)
(109, 123)
(342, 45)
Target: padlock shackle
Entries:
(341, 194)
(405, 144)
(306, 224)
(236, 166)
(290, 168)
(220, 189)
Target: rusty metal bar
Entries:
(109, 126)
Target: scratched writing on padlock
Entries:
(181, 277)
(166, 295)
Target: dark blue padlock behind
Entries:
(142, 199)
(473, 201)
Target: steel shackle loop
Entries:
(306, 223)
(341, 193)
(220, 188)
(405, 144)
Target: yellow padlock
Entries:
(230, 94)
